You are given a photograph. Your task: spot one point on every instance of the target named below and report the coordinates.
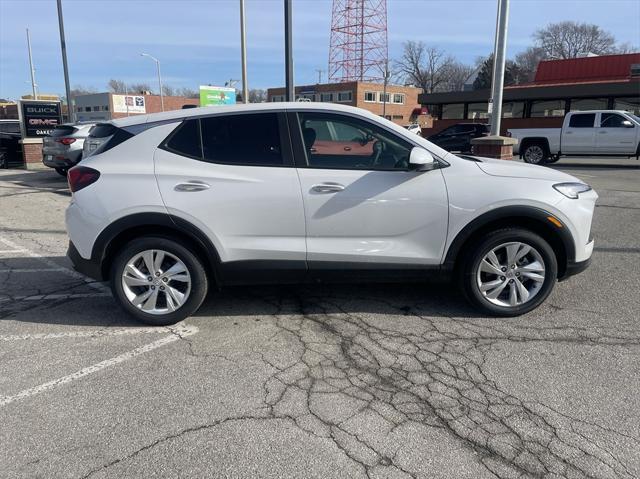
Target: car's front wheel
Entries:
(158, 281)
(509, 272)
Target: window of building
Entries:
(453, 111)
(398, 117)
(398, 98)
(277, 98)
(96, 108)
(384, 97)
(370, 96)
(584, 120)
(186, 140)
(611, 120)
(345, 96)
(546, 108)
(631, 105)
(105, 108)
(326, 96)
(78, 108)
(252, 139)
(588, 104)
(513, 109)
(477, 110)
(434, 110)
(87, 108)
(342, 142)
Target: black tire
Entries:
(195, 268)
(553, 159)
(476, 252)
(62, 171)
(535, 153)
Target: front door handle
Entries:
(327, 188)
(192, 186)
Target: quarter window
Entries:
(343, 142)
(252, 139)
(186, 140)
(582, 121)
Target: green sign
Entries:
(217, 95)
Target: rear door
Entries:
(363, 211)
(579, 136)
(233, 177)
(615, 136)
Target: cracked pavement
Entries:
(377, 381)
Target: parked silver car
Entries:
(63, 148)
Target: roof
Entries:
(239, 108)
(586, 69)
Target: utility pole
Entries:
(243, 47)
(319, 71)
(33, 71)
(63, 46)
(499, 60)
(159, 77)
(384, 89)
(288, 53)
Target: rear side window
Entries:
(63, 130)
(102, 131)
(584, 120)
(186, 140)
(250, 139)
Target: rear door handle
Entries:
(192, 186)
(327, 187)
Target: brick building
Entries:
(108, 106)
(401, 107)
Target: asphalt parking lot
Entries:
(319, 381)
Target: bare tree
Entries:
(81, 90)
(527, 63)
(138, 88)
(257, 95)
(117, 86)
(423, 66)
(456, 74)
(168, 90)
(188, 92)
(572, 39)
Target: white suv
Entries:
(172, 203)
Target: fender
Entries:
(102, 247)
(517, 216)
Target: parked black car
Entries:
(10, 148)
(458, 137)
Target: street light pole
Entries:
(384, 90)
(499, 61)
(33, 71)
(63, 47)
(159, 77)
(288, 52)
(243, 48)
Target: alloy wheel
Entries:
(511, 274)
(534, 154)
(156, 282)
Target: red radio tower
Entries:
(358, 48)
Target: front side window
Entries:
(611, 120)
(585, 120)
(343, 142)
(252, 139)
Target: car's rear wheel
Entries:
(509, 272)
(535, 153)
(62, 171)
(158, 281)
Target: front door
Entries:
(579, 136)
(234, 178)
(364, 206)
(616, 135)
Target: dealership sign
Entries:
(39, 118)
(217, 95)
(128, 104)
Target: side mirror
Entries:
(421, 160)
(627, 124)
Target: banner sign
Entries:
(39, 118)
(128, 104)
(217, 95)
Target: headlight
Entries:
(571, 190)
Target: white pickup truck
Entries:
(583, 133)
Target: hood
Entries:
(516, 169)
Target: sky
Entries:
(198, 41)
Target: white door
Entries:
(616, 135)
(240, 187)
(364, 204)
(579, 136)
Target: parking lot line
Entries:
(9, 251)
(69, 272)
(30, 270)
(176, 334)
(98, 333)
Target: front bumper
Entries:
(88, 267)
(574, 268)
